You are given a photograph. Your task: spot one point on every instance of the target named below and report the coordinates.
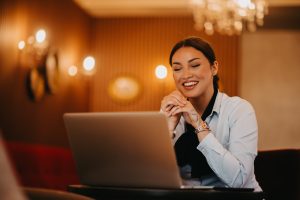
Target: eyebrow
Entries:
(193, 60)
(188, 61)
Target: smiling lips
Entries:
(190, 85)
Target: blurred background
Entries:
(112, 55)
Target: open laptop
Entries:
(123, 149)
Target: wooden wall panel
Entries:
(68, 29)
(136, 46)
(132, 46)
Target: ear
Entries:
(215, 68)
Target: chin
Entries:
(190, 94)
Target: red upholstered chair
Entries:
(42, 166)
(11, 190)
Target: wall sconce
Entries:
(43, 65)
(36, 45)
(73, 70)
(88, 67)
(124, 89)
(161, 72)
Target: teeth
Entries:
(190, 83)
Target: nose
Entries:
(186, 74)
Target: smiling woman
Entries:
(215, 136)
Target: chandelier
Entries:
(228, 16)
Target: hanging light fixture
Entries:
(228, 16)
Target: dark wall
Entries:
(68, 30)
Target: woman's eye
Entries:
(176, 69)
(196, 65)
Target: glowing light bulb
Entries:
(72, 71)
(40, 36)
(89, 63)
(161, 72)
(244, 3)
(21, 45)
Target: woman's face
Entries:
(192, 72)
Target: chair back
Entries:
(278, 173)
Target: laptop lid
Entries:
(128, 149)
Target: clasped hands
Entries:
(176, 105)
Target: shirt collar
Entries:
(217, 105)
(209, 109)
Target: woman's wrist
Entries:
(201, 126)
(202, 130)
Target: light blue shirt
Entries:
(231, 146)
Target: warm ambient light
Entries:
(40, 36)
(41, 62)
(35, 48)
(72, 71)
(228, 17)
(21, 45)
(161, 72)
(124, 89)
(89, 64)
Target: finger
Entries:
(176, 95)
(180, 95)
(180, 100)
(177, 110)
(174, 110)
(175, 98)
(172, 101)
(169, 107)
(189, 111)
(166, 103)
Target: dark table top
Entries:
(113, 193)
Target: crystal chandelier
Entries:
(228, 16)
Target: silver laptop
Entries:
(123, 149)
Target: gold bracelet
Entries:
(202, 127)
(203, 130)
